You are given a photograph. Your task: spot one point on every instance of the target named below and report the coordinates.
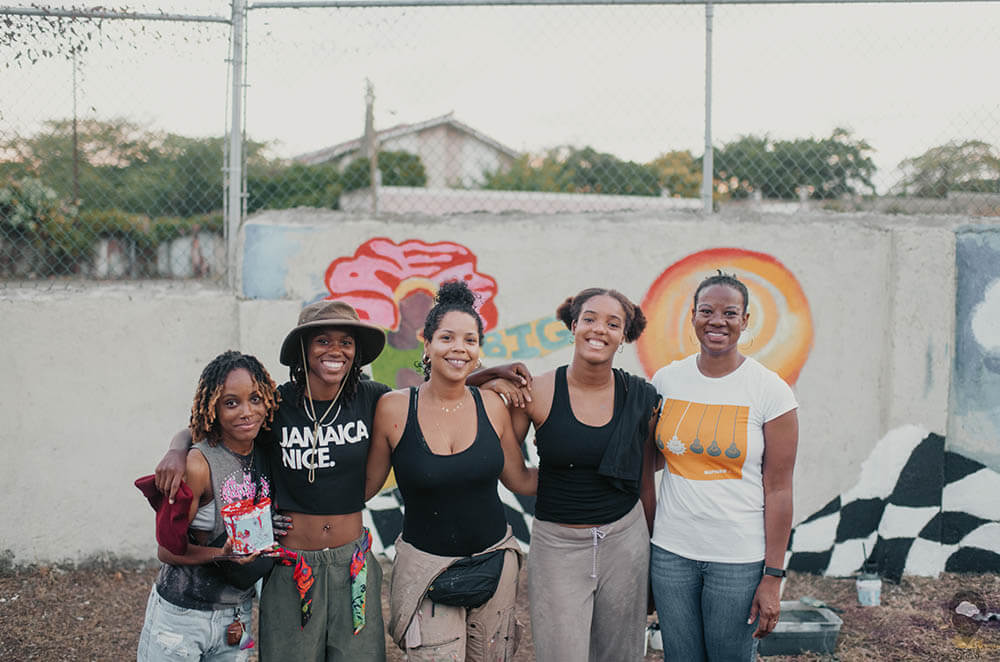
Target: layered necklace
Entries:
(449, 411)
(310, 410)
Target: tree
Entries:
(573, 170)
(972, 165)
(679, 173)
(38, 236)
(397, 169)
(122, 165)
(826, 168)
(277, 186)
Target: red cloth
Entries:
(171, 518)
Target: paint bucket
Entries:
(654, 638)
(869, 589)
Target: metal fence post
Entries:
(706, 162)
(234, 181)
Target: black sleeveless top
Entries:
(451, 503)
(570, 490)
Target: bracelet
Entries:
(775, 572)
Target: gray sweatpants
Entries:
(588, 590)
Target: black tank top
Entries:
(451, 503)
(570, 491)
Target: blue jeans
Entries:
(703, 607)
(171, 632)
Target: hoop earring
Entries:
(621, 348)
(479, 364)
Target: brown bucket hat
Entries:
(370, 338)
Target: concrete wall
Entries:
(857, 311)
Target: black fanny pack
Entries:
(468, 582)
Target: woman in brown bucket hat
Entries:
(324, 601)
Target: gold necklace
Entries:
(447, 411)
(310, 410)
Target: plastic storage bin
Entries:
(802, 629)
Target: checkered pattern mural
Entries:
(916, 509)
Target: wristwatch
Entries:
(775, 572)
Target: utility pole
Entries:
(371, 143)
(234, 184)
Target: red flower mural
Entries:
(382, 273)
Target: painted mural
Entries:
(974, 423)
(393, 285)
(780, 330)
(916, 509)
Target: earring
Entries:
(621, 348)
(426, 360)
(479, 364)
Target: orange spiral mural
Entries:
(779, 333)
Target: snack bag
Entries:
(249, 525)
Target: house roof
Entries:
(336, 151)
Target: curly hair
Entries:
(729, 280)
(570, 309)
(453, 295)
(203, 423)
(297, 371)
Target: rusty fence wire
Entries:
(113, 156)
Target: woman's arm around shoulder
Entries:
(390, 419)
(516, 475)
(170, 469)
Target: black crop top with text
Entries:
(339, 455)
(451, 503)
(570, 491)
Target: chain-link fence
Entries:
(112, 135)
(111, 143)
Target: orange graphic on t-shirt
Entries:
(702, 441)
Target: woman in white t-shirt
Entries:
(727, 434)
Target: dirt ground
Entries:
(52, 613)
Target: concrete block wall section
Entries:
(858, 311)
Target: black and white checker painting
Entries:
(916, 509)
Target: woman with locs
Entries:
(728, 433)
(325, 604)
(588, 564)
(200, 607)
(448, 444)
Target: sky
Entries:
(624, 80)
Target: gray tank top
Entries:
(204, 587)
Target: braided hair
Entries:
(729, 280)
(570, 309)
(203, 424)
(453, 295)
(297, 371)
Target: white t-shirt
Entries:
(710, 504)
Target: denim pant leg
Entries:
(171, 632)
(726, 598)
(677, 589)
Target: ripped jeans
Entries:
(175, 633)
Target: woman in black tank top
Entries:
(589, 558)
(448, 445)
